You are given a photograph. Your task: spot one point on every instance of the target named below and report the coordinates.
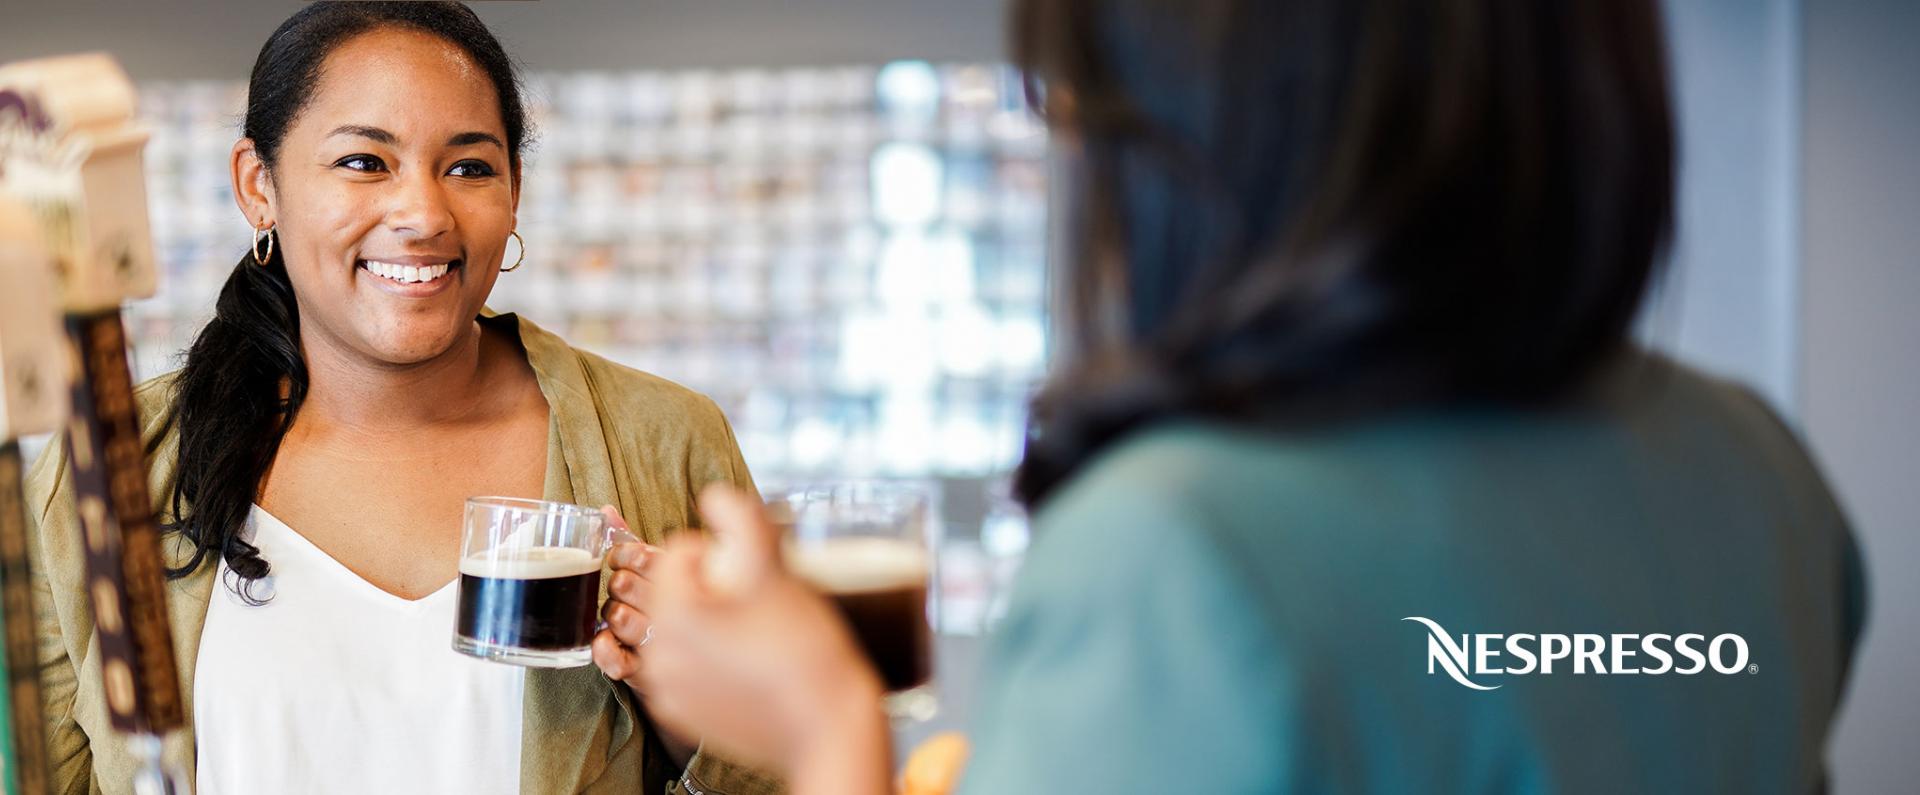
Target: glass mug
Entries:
(530, 581)
(865, 546)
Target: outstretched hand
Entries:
(747, 654)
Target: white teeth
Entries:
(410, 274)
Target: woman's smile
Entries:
(411, 276)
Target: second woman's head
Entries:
(1308, 208)
(381, 145)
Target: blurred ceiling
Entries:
(177, 39)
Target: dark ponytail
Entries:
(245, 378)
(242, 385)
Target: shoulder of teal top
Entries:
(1170, 581)
(1786, 452)
(1125, 660)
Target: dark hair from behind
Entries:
(245, 376)
(1298, 212)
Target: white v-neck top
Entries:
(335, 686)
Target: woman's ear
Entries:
(252, 187)
(516, 195)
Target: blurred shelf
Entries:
(849, 259)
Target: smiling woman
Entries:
(424, 180)
(314, 453)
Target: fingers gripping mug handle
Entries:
(611, 537)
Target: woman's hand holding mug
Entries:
(627, 629)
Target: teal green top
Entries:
(1214, 609)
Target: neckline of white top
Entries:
(291, 540)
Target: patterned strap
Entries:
(125, 571)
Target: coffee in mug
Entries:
(880, 586)
(530, 581)
(865, 546)
(543, 598)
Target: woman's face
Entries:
(392, 198)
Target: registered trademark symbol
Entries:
(1753, 669)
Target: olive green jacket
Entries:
(616, 436)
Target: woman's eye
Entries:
(367, 163)
(471, 168)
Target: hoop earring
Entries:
(523, 252)
(259, 258)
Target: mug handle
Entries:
(611, 536)
(616, 536)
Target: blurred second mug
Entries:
(865, 545)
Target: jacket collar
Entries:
(554, 756)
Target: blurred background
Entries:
(831, 216)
